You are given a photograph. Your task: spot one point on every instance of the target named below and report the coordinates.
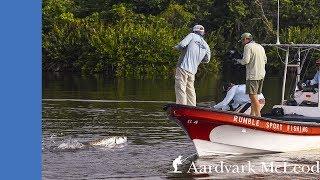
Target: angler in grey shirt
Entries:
(194, 50)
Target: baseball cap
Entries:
(198, 28)
(245, 35)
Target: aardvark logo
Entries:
(175, 164)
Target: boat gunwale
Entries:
(313, 124)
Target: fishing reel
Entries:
(232, 55)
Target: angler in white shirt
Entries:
(241, 101)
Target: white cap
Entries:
(198, 28)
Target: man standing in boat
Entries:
(316, 77)
(254, 58)
(240, 100)
(194, 50)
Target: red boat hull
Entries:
(206, 125)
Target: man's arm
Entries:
(265, 56)
(224, 104)
(184, 43)
(315, 79)
(207, 57)
(246, 55)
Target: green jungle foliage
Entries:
(135, 38)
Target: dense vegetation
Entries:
(134, 38)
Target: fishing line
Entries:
(108, 101)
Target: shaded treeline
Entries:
(135, 38)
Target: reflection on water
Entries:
(127, 134)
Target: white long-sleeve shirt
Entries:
(194, 51)
(238, 94)
(315, 79)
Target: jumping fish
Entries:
(109, 142)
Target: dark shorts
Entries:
(254, 86)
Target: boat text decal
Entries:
(270, 125)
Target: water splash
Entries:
(110, 142)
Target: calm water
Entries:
(132, 109)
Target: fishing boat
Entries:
(294, 125)
(220, 132)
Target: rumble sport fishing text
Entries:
(270, 125)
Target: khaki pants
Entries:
(184, 87)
